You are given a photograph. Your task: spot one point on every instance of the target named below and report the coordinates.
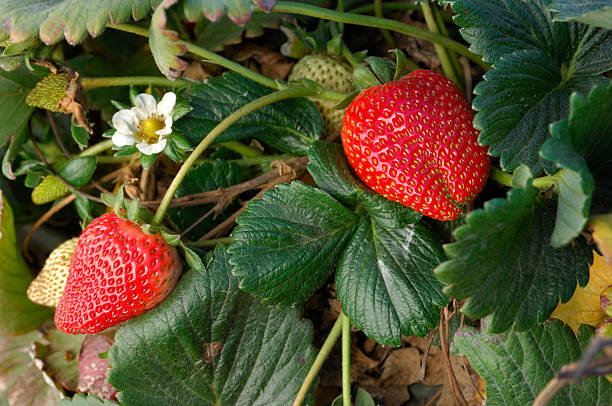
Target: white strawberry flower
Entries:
(147, 125)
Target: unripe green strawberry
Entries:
(48, 92)
(117, 272)
(331, 74)
(48, 190)
(48, 286)
(413, 141)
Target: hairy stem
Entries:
(97, 148)
(543, 182)
(375, 22)
(346, 361)
(93, 83)
(218, 130)
(318, 362)
(210, 243)
(240, 148)
(378, 12)
(443, 54)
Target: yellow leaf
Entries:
(602, 234)
(584, 306)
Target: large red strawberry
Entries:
(413, 142)
(116, 273)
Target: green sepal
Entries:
(133, 210)
(192, 258)
(171, 238)
(364, 78)
(80, 135)
(383, 68)
(147, 160)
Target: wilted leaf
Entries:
(22, 381)
(164, 46)
(62, 358)
(584, 307)
(72, 19)
(602, 234)
(82, 400)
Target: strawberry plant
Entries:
(200, 198)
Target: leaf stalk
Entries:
(320, 359)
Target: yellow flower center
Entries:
(148, 128)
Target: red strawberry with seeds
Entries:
(413, 142)
(117, 272)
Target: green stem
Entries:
(340, 7)
(318, 362)
(262, 160)
(348, 55)
(394, 6)
(375, 22)
(218, 130)
(378, 12)
(458, 68)
(97, 148)
(212, 57)
(92, 83)
(443, 54)
(346, 361)
(543, 182)
(210, 243)
(240, 148)
(500, 176)
(105, 159)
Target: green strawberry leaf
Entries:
(81, 400)
(19, 315)
(385, 281)
(14, 112)
(584, 134)
(290, 126)
(78, 171)
(502, 259)
(287, 243)
(211, 344)
(537, 64)
(331, 171)
(203, 178)
(164, 46)
(22, 381)
(71, 19)
(593, 12)
(574, 185)
(516, 366)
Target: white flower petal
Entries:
(125, 121)
(122, 139)
(151, 149)
(166, 105)
(164, 131)
(146, 105)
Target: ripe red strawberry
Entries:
(117, 272)
(413, 142)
